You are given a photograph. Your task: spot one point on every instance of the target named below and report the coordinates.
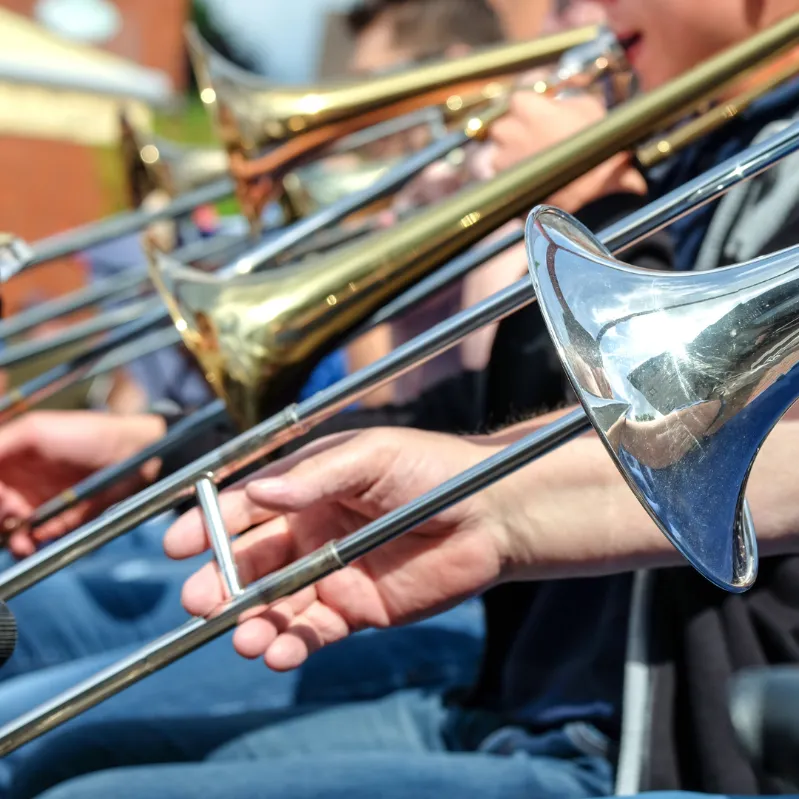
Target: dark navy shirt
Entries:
(566, 661)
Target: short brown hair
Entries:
(431, 26)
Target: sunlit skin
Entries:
(46, 452)
(521, 19)
(674, 35)
(568, 514)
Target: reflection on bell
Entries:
(682, 374)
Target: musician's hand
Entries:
(331, 488)
(432, 185)
(535, 123)
(46, 452)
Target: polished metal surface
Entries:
(246, 449)
(688, 132)
(268, 129)
(65, 375)
(260, 441)
(73, 334)
(284, 582)
(153, 163)
(682, 374)
(255, 336)
(296, 419)
(208, 500)
(266, 436)
(122, 224)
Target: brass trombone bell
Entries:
(153, 163)
(287, 124)
(255, 336)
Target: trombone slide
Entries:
(295, 420)
(250, 446)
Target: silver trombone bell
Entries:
(683, 375)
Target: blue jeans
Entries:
(126, 593)
(410, 744)
(91, 614)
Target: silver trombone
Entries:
(561, 254)
(606, 393)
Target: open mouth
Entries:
(631, 44)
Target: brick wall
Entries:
(47, 186)
(50, 186)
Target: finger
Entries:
(14, 511)
(288, 633)
(346, 469)
(188, 537)
(20, 544)
(260, 552)
(256, 632)
(317, 626)
(512, 143)
(287, 462)
(69, 520)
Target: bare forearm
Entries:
(572, 514)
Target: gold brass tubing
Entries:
(267, 129)
(652, 154)
(254, 335)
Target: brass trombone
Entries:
(255, 336)
(600, 58)
(152, 163)
(303, 120)
(153, 313)
(583, 251)
(766, 285)
(382, 268)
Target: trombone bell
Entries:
(153, 163)
(682, 375)
(257, 337)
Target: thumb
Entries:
(338, 467)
